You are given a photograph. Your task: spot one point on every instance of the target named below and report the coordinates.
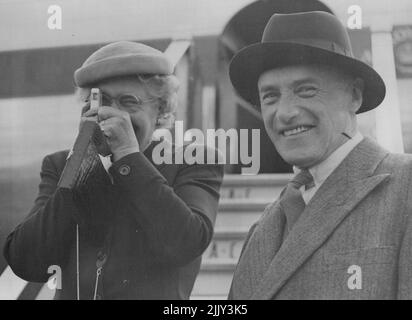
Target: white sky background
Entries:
(33, 127)
(23, 23)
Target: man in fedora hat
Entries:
(135, 229)
(341, 228)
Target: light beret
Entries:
(120, 59)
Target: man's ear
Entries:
(357, 94)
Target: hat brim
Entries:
(122, 65)
(247, 66)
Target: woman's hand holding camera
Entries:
(117, 128)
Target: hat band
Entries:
(319, 43)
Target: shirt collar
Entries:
(322, 170)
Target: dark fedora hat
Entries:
(302, 38)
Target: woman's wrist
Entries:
(124, 152)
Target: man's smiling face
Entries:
(305, 109)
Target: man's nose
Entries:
(286, 111)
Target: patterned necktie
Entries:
(292, 201)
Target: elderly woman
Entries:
(136, 230)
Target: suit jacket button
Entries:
(124, 170)
(101, 256)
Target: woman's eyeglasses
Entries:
(124, 100)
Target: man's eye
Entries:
(270, 97)
(307, 91)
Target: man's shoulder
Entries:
(59, 156)
(399, 168)
(383, 160)
(394, 162)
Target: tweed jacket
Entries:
(149, 228)
(353, 240)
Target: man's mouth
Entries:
(295, 131)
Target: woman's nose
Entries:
(115, 104)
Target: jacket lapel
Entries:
(352, 181)
(264, 241)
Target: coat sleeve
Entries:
(177, 220)
(37, 242)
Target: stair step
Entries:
(221, 264)
(212, 283)
(242, 205)
(236, 180)
(230, 233)
(266, 186)
(239, 213)
(208, 297)
(226, 245)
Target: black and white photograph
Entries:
(205, 150)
